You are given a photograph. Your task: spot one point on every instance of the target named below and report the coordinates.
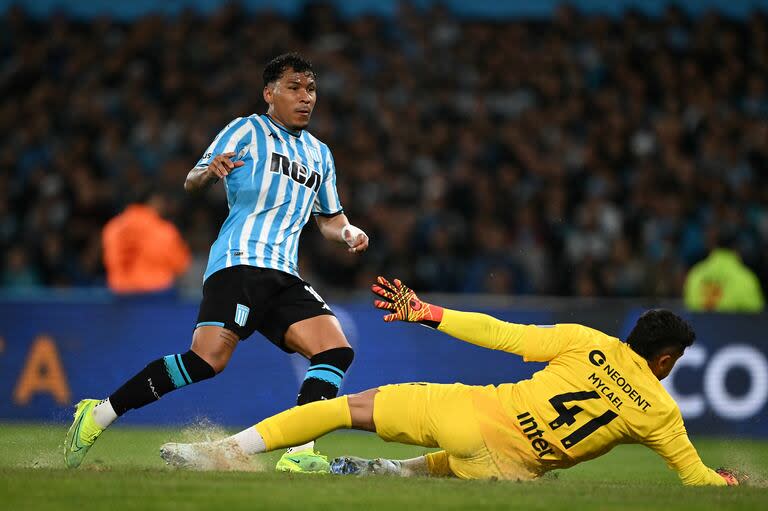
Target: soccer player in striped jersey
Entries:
(596, 392)
(276, 175)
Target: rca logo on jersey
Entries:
(280, 163)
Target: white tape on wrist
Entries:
(349, 233)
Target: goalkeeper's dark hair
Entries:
(280, 64)
(660, 331)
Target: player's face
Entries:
(291, 99)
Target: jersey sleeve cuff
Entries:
(329, 215)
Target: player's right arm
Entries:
(202, 177)
(533, 343)
(672, 444)
(217, 162)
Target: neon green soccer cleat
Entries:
(303, 461)
(82, 433)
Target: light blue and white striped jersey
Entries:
(286, 177)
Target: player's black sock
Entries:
(326, 370)
(158, 378)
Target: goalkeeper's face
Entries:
(291, 98)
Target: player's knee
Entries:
(198, 368)
(218, 364)
(316, 335)
(216, 361)
(361, 409)
(362, 400)
(215, 346)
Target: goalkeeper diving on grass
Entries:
(596, 392)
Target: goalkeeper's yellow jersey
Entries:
(595, 393)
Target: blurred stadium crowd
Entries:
(574, 156)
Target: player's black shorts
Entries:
(245, 298)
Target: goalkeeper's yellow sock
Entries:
(303, 423)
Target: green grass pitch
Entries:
(124, 471)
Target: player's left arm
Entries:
(337, 228)
(329, 214)
(534, 343)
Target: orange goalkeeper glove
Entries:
(732, 477)
(404, 305)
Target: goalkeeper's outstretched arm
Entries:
(531, 342)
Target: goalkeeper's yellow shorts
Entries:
(445, 416)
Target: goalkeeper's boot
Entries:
(307, 461)
(351, 465)
(82, 433)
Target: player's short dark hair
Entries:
(658, 331)
(278, 65)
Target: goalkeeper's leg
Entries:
(295, 426)
(305, 423)
(292, 427)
